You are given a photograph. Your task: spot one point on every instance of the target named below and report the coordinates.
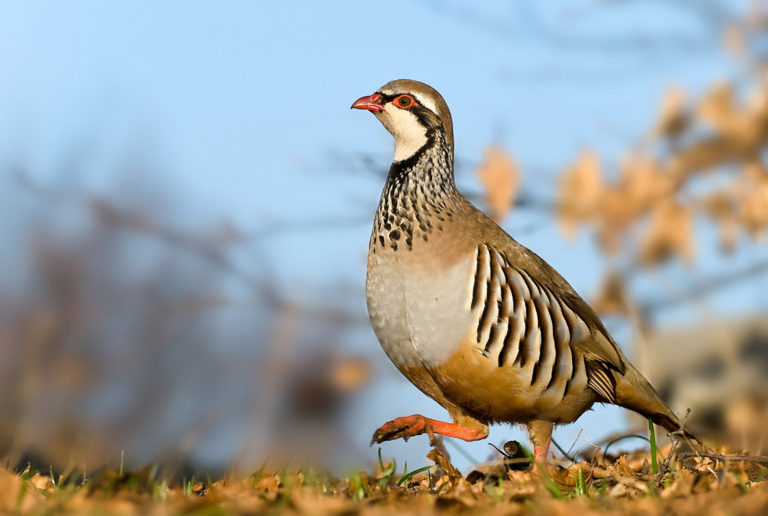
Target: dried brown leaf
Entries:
(500, 177)
(351, 373)
(754, 200)
(437, 456)
(722, 206)
(643, 183)
(673, 118)
(702, 155)
(15, 494)
(719, 109)
(670, 233)
(579, 193)
(611, 296)
(701, 487)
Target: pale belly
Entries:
(419, 316)
(385, 295)
(426, 326)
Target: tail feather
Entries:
(634, 392)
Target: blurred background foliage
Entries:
(138, 323)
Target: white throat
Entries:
(409, 140)
(410, 135)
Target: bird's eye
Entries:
(404, 101)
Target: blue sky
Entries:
(244, 110)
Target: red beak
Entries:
(371, 103)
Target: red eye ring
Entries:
(404, 102)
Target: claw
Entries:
(385, 434)
(405, 427)
(408, 426)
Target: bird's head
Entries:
(413, 112)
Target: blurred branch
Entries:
(211, 249)
(763, 461)
(529, 22)
(310, 224)
(655, 42)
(707, 287)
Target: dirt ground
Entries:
(683, 483)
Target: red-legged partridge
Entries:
(475, 320)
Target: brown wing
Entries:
(531, 315)
(601, 347)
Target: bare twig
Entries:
(709, 286)
(565, 453)
(761, 459)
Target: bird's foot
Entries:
(409, 426)
(405, 427)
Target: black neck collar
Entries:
(434, 142)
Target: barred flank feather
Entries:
(523, 324)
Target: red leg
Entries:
(540, 454)
(541, 435)
(408, 426)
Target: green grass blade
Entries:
(389, 470)
(581, 489)
(408, 475)
(741, 483)
(654, 460)
(551, 485)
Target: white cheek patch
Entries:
(408, 132)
